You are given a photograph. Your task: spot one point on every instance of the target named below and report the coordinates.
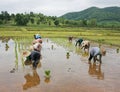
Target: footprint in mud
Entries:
(13, 70)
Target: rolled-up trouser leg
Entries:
(100, 56)
(35, 63)
(95, 58)
(90, 57)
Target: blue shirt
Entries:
(79, 41)
(95, 51)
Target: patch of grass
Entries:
(98, 35)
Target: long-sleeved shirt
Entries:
(95, 51)
(85, 43)
(79, 41)
(37, 46)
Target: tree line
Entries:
(24, 19)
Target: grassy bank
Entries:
(107, 36)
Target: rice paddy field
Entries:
(65, 65)
(107, 36)
(68, 67)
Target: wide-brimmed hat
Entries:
(103, 51)
(25, 53)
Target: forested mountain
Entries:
(100, 14)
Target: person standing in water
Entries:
(79, 41)
(85, 45)
(70, 38)
(95, 52)
(37, 36)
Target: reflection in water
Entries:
(78, 50)
(67, 55)
(47, 76)
(70, 46)
(13, 70)
(95, 71)
(47, 40)
(47, 80)
(85, 54)
(52, 47)
(5, 40)
(31, 80)
(117, 50)
(16, 56)
(6, 47)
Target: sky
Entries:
(53, 7)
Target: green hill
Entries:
(101, 14)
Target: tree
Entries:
(93, 22)
(49, 23)
(38, 22)
(32, 20)
(56, 22)
(1, 21)
(84, 22)
(21, 19)
(31, 14)
(5, 16)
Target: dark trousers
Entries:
(95, 58)
(35, 57)
(90, 57)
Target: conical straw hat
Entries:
(25, 53)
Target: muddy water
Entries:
(69, 69)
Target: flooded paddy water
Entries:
(68, 66)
